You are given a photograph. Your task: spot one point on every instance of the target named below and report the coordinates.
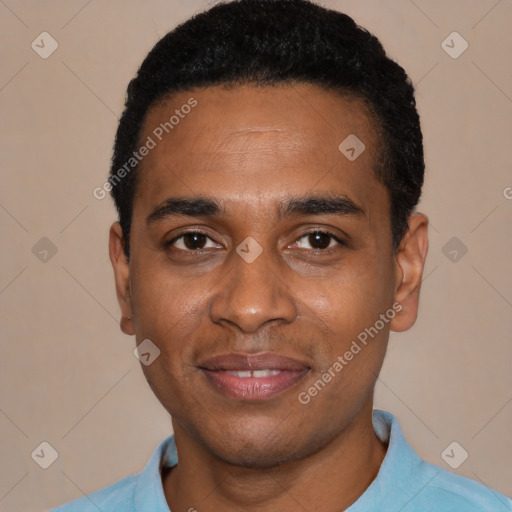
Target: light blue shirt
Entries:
(405, 483)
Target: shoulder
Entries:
(118, 497)
(448, 492)
(410, 484)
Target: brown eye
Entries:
(192, 241)
(318, 241)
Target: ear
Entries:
(122, 276)
(410, 261)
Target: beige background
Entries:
(68, 375)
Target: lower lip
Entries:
(254, 388)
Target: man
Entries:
(266, 170)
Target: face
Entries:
(259, 253)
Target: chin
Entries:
(254, 456)
(260, 448)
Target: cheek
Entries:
(166, 310)
(169, 314)
(352, 297)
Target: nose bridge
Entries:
(252, 292)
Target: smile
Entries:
(253, 377)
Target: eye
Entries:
(318, 241)
(192, 241)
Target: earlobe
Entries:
(410, 261)
(121, 268)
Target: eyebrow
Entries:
(208, 207)
(319, 205)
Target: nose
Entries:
(252, 295)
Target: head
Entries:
(254, 222)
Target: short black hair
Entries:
(271, 42)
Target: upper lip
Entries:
(254, 362)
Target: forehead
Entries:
(257, 144)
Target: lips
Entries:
(253, 376)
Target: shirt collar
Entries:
(402, 474)
(392, 489)
(149, 493)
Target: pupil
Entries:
(192, 240)
(319, 240)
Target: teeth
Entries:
(256, 373)
(265, 373)
(242, 375)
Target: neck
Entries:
(330, 480)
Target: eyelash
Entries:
(327, 250)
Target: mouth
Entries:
(253, 377)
